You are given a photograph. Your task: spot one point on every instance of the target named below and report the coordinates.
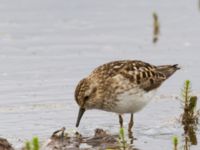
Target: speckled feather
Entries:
(141, 74)
(102, 87)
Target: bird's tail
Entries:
(168, 70)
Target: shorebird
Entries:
(123, 86)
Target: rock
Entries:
(60, 140)
(102, 139)
(5, 145)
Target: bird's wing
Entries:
(138, 73)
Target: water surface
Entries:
(48, 46)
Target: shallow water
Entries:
(48, 46)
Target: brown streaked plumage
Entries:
(123, 86)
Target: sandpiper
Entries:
(123, 86)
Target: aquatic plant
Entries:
(156, 27)
(122, 140)
(175, 142)
(27, 145)
(35, 142)
(199, 4)
(33, 145)
(190, 116)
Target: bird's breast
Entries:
(133, 100)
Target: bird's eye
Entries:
(86, 98)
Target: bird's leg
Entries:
(121, 121)
(130, 125)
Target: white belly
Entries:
(133, 101)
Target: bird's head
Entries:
(85, 97)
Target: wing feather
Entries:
(140, 74)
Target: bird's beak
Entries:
(80, 114)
